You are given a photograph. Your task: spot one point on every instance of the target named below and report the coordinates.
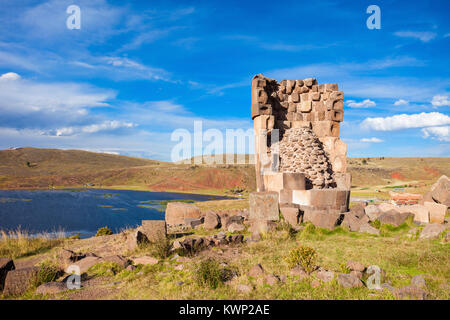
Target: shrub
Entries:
(161, 247)
(209, 272)
(48, 272)
(105, 231)
(304, 257)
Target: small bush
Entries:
(105, 231)
(210, 273)
(49, 272)
(304, 257)
(161, 248)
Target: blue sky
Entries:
(138, 70)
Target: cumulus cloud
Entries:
(440, 101)
(9, 76)
(363, 104)
(93, 128)
(19, 97)
(438, 133)
(406, 121)
(400, 102)
(422, 36)
(375, 140)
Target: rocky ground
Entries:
(413, 260)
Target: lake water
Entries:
(83, 210)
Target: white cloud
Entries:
(401, 102)
(422, 36)
(363, 104)
(24, 96)
(375, 140)
(438, 133)
(93, 128)
(440, 101)
(9, 76)
(406, 121)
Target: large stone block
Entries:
(437, 211)
(290, 214)
(322, 219)
(285, 196)
(154, 229)
(421, 212)
(176, 212)
(440, 191)
(264, 206)
(343, 180)
(293, 181)
(273, 181)
(394, 218)
(6, 265)
(20, 280)
(332, 198)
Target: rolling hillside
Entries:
(43, 168)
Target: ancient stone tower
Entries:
(298, 152)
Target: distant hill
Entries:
(25, 168)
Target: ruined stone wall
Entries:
(308, 117)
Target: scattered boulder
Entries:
(367, 228)
(244, 288)
(176, 212)
(356, 266)
(193, 222)
(358, 210)
(437, 211)
(409, 292)
(235, 238)
(256, 271)
(130, 268)
(51, 288)
(154, 230)
(432, 231)
(420, 212)
(357, 274)
(228, 220)
(212, 220)
(20, 280)
(85, 263)
(385, 207)
(145, 260)
(236, 227)
(298, 271)
(322, 219)
(440, 191)
(372, 212)
(271, 279)
(135, 239)
(351, 222)
(325, 276)
(349, 281)
(393, 217)
(121, 261)
(6, 265)
(418, 281)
